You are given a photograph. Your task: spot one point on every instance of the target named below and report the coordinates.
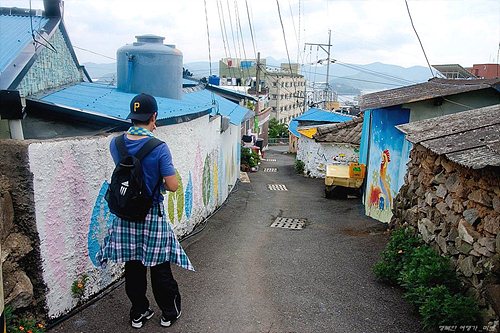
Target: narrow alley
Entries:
(255, 278)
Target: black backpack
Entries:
(127, 195)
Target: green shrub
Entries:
(426, 268)
(249, 157)
(299, 166)
(401, 245)
(15, 324)
(442, 308)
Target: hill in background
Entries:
(345, 78)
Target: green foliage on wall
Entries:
(176, 200)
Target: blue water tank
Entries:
(214, 80)
(149, 66)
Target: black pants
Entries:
(165, 289)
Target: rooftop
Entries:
(423, 91)
(346, 132)
(95, 99)
(315, 116)
(469, 138)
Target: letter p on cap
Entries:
(136, 106)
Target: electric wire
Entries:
(416, 33)
(375, 73)
(36, 42)
(230, 68)
(232, 30)
(238, 28)
(208, 39)
(286, 46)
(251, 30)
(99, 54)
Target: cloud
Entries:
(452, 31)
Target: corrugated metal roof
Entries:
(423, 91)
(16, 35)
(470, 138)
(317, 115)
(346, 132)
(320, 115)
(107, 100)
(234, 111)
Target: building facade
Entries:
(286, 93)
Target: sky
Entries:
(466, 32)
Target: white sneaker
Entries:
(139, 321)
(167, 323)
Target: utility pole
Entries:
(257, 92)
(326, 48)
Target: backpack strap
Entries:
(147, 148)
(121, 147)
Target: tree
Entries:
(277, 129)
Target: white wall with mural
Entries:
(317, 155)
(70, 179)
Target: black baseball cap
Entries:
(142, 107)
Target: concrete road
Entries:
(254, 278)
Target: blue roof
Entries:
(234, 111)
(15, 35)
(106, 100)
(101, 99)
(317, 115)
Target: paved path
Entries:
(254, 278)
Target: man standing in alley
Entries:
(140, 235)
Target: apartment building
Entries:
(286, 92)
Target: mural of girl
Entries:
(380, 195)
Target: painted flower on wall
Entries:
(207, 181)
(176, 201)
(188, 197)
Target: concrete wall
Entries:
(453, 104)
(316, 156)
(70, 177)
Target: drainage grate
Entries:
(269, 159)
(270, 169)
(289, 223)
(277, 187)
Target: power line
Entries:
(286, 45)
(251, 30)
(208, 39)
(99, 54)
(374, 73)
(232, 31)
(416, 33)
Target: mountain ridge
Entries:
(344, 76)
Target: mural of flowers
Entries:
(207, 182)
(188, 197)
(176, 201)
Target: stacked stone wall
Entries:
(457, 211)
(23, 283)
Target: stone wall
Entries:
(457, 211)
(23, 283)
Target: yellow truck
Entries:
(344, 180)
